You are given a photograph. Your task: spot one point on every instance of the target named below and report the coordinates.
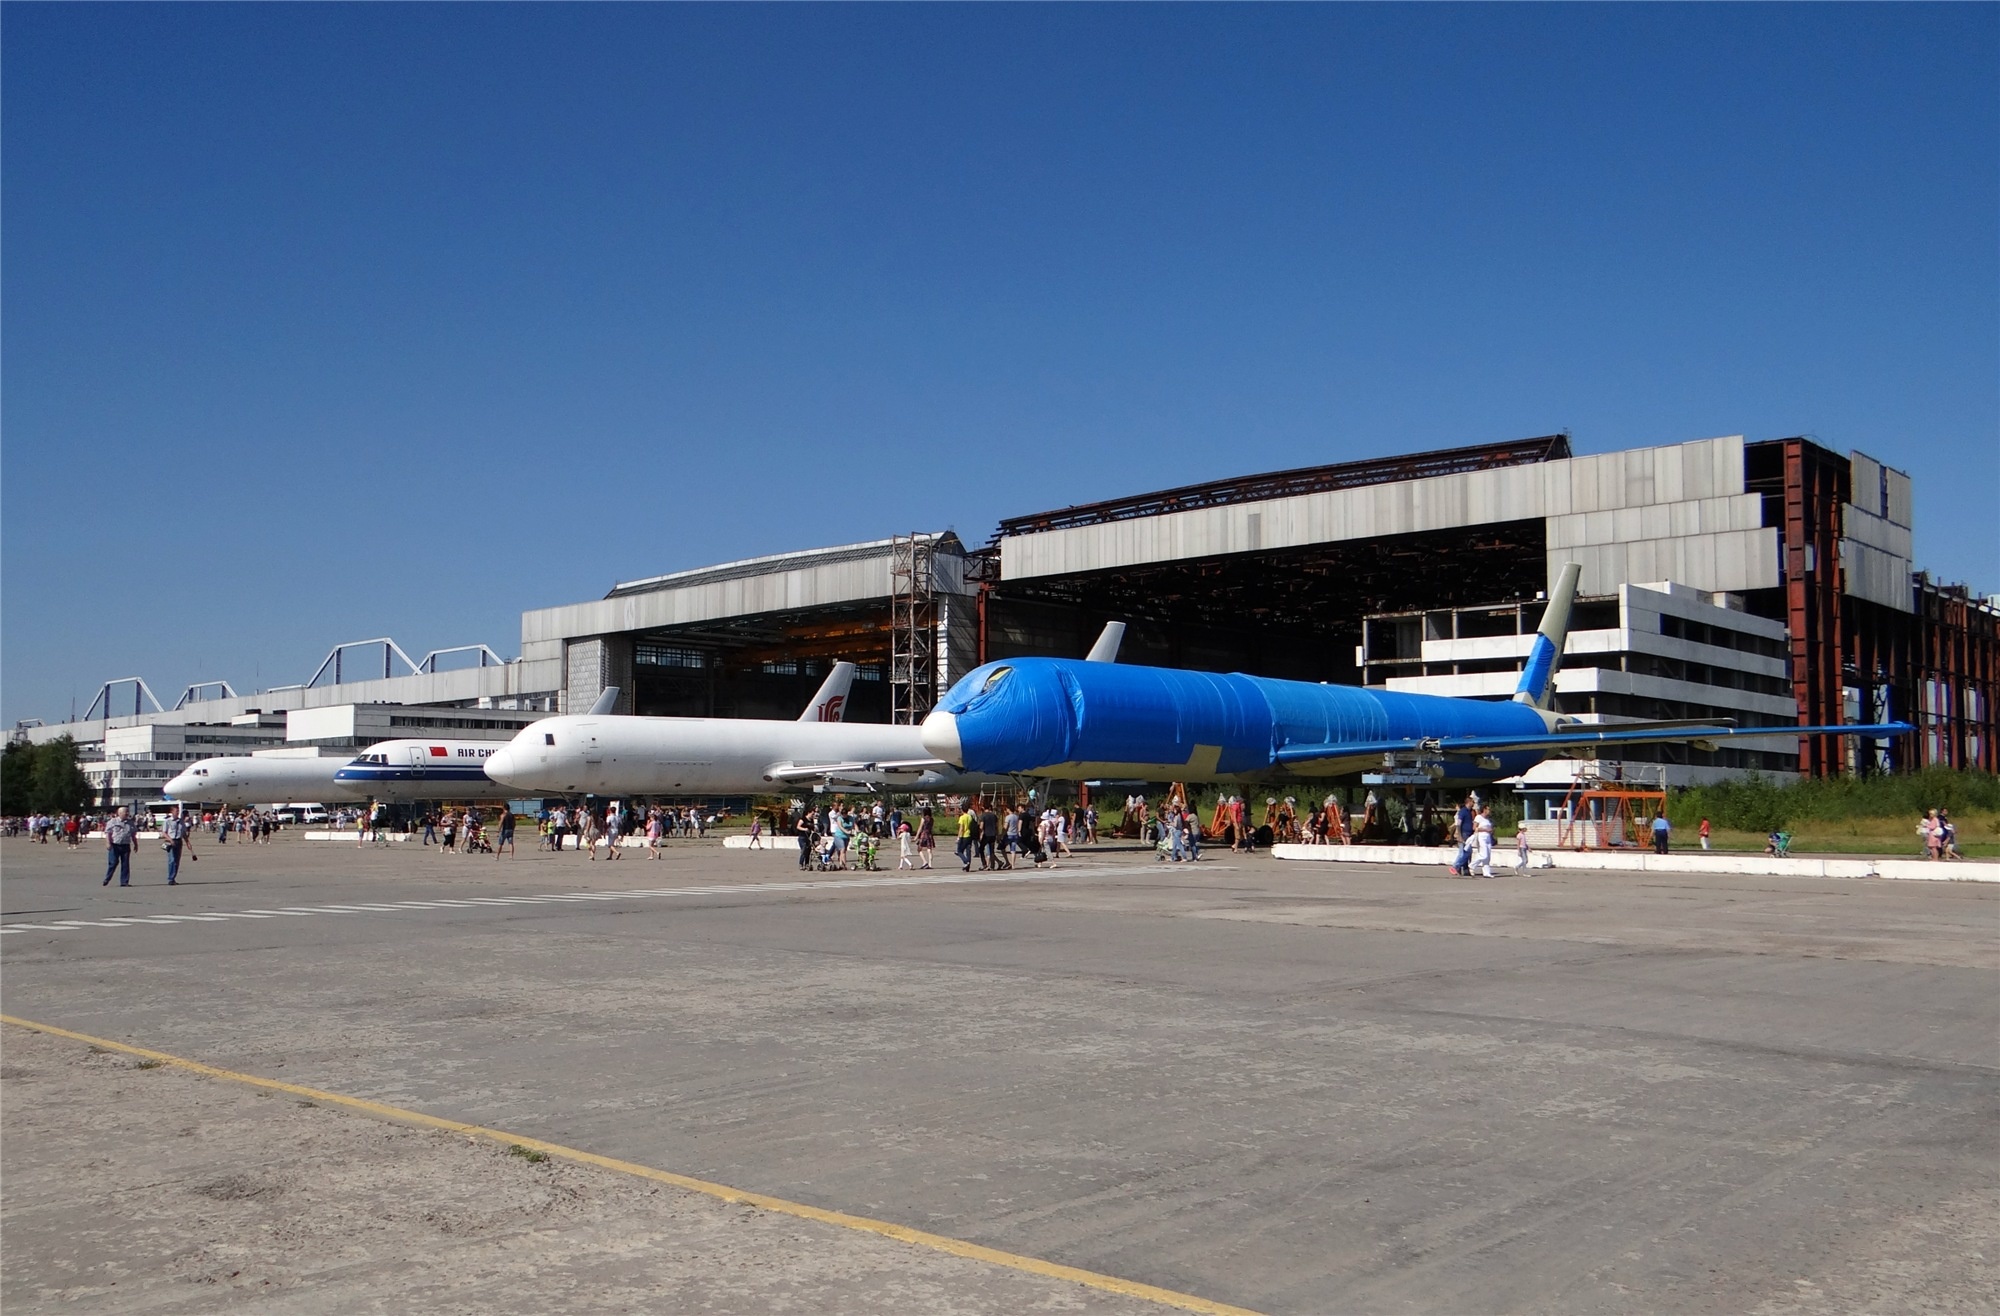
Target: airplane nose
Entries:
(500, 764)
(181, 782)
(939, 734)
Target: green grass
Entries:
(1890, 838)
(528, 1154)
(1756, 804)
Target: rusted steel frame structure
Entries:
(1936, 665)
(982, 568)
(1816, 484)
(913, 644)
(1287, 484)
(1957, 671)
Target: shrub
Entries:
(1756, 804)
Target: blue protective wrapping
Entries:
(1541, 664)
(1032, 714)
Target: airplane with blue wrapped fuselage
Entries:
(1059, 719)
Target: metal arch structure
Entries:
(139, 688)
(335, 661)
(194, 694)
(487, 658)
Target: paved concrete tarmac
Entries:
(1289, 1088)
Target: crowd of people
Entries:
(73, 829)
(990, 834)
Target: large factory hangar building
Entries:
(1771, 582)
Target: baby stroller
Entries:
(822, 855)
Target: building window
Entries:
(666, 655)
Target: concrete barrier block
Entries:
(789, 844)
(1941, 870)
(1641, 861)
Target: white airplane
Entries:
(399, 773)
(400, 770)
(598, 754)
(257, 779)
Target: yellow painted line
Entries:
(901, 1233)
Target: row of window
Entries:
(457, 723)
(1668, 669)
(1680, 628)
(667, 655)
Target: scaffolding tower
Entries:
(913, 645)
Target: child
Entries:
(904, 846)
(1521, 847)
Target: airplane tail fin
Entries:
(1538, 678)
(831, 701)
(606, 700)
(1106, 648)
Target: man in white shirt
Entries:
(119, 833)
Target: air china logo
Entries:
(475, 753)
(830, 710)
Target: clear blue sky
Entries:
(323, 322)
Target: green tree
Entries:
(17, 778)
(45, 778)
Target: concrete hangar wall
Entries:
(1782, 570)
(754, 638)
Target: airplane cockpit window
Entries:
(548, 738)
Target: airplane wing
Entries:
(812, 771)
(1574, 737)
